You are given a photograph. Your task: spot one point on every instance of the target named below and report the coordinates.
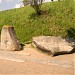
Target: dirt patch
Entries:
(37, 62)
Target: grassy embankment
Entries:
(57, 19)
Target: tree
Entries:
(52, 0)
(36, 4)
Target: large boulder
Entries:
(9, 41)
(54, 44)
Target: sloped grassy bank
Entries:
(57, 19)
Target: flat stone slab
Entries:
(54, 44)
(22, 58)
(11, 56)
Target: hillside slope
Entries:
(57, 19)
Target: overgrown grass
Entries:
(57, 19)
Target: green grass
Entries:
(57, 19)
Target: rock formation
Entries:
(54, 44)
(9, 41)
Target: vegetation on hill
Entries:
(36, 4)
(57, 19)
